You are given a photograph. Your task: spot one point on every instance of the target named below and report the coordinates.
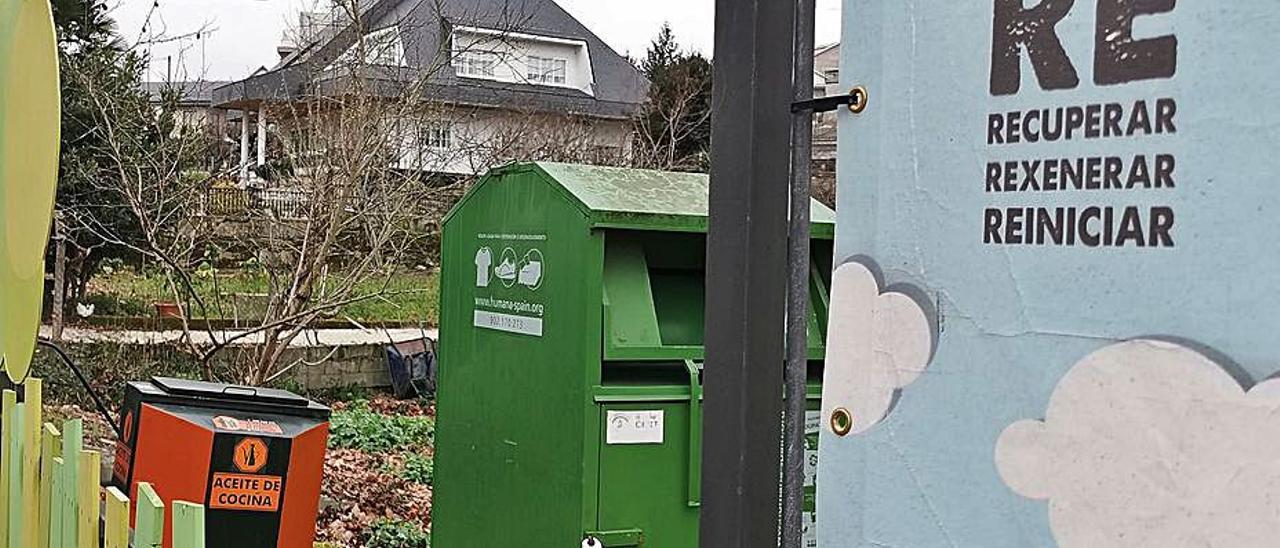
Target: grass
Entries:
(410, 296)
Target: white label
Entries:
(809, 518)
(522, 325)
(634, 427)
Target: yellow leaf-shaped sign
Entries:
(30, 120)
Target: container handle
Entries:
(240, 390)
(695, 434)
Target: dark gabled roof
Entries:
(196, 92)
(424, 27)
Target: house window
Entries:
(438, 136)
(547, 70)
(382, 47)
(476, 63)
(386, 50)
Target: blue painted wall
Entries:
(1014, 319)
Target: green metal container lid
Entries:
(625, 198)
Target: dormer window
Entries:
(523, 58)
(547, 70)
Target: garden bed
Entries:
(378, 475)
(237, 297)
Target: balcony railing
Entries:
(241, 203)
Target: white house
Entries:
(484, 66)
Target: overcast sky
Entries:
(243, 34)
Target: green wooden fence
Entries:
(51, 494)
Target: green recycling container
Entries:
(571, 347)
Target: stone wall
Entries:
(108, 366)
(349, 366)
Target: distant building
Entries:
(482, 65)
(826, 82)
(193, 102)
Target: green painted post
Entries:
(30, 466)
(16, 448)
(57, 504)
(89, 490)
(50, 447)
(149, 530)
(72, 444)
(188, 525)
(7, 432)
(116, 532)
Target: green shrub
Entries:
(357, 427)
(109, 366)
(107, 305)
(391, 533)
(416, 468)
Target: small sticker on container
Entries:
(634, 427)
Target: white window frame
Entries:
(512, 52)
(383, 47)
(422, 140)
(437, 135)
(474, 63)
(547, 70)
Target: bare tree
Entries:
(365, 158)
(131, 185)
(376, 159)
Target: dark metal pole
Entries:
(746, 273)
(798, 283)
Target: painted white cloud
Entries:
(877, 343)
(1151, 444)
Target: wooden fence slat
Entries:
(57, 505)
(50, 492)
(87, 487)
(149, 525)
(50, 448)
(188, 525)
(8, 406)
(16, 442)
(72, 443)
(32, 418)
(116, 533)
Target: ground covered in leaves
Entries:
(378, 475)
